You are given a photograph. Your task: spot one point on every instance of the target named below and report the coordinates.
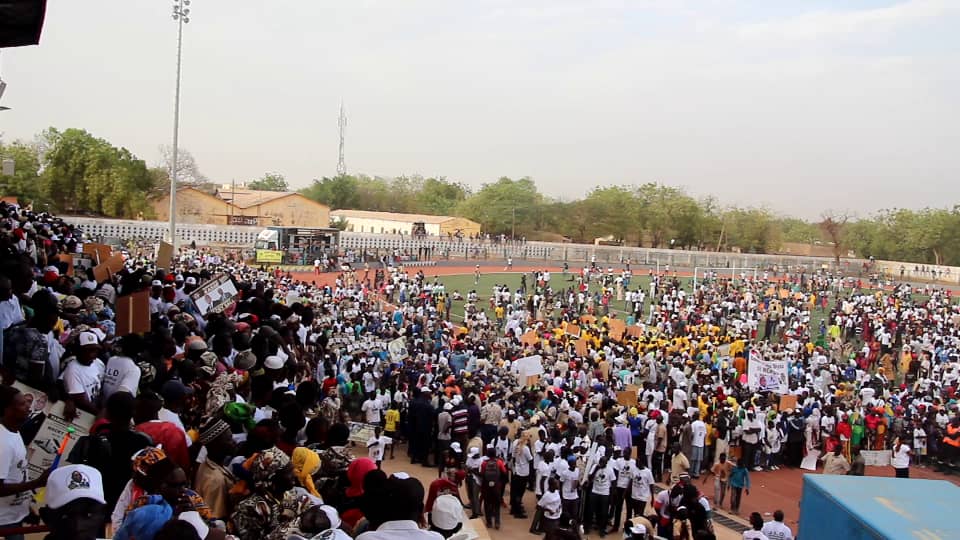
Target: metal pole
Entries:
(180, 14)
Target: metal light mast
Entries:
(342, 123)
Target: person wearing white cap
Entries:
(83, 376)
(156, 297)
(446, 516)
(75, 508)
(472, 466)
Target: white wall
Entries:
(384, 226)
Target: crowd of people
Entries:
(271, 415)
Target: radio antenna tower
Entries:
(342, 123)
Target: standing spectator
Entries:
(551, 506)
(492, 472)
(641, 479)
(698, 438)
(721, 476)
(601, 479)
(901, 459)
(835, 463)
(857, 463)
(739, 482)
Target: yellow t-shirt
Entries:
(391, 418)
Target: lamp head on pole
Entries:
(180, 12)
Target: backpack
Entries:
(94, 450)
(491, 474)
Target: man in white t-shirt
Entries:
(641, 478)
(603, 477)
(15, 491)
(776, 530)
(371, 408)
(122, 373)
(83, 376)
(698, 439)
(550, 503)
(901, 460)
(570, 488)
(751, 436)
(376, 446)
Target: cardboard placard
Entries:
(617, 328)
(634, 331)
(588, 319)
(573, 330)
(627, 398)
(530, 338)
(103, 271)
(97, 252)
(42, 448)
(581, 347)
(133, 313)
(787, 402)
(164, 255)
(215, 295)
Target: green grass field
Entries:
(465, 283)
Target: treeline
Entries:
(72, 171)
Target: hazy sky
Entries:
(796, 105)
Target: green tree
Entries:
(339, 223)
(504, 207)
(25, 181)
(798, 230)
(751, 230)
(269, 182)
(437, 196)
(339, 192)
(85, 174)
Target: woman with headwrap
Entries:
(156, 474)
(267, 476)
(306, 463)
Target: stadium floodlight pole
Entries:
(181, 14)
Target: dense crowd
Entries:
(590, 401)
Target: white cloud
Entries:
(819, 24)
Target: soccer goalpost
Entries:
(721, 271)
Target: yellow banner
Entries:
(269, 256)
